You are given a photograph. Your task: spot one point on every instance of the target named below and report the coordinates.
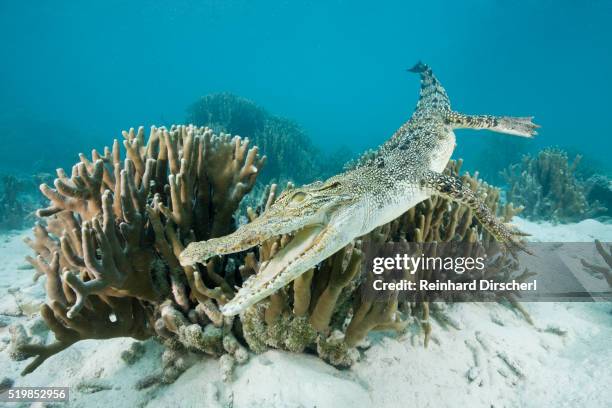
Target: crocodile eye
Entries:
(298, 197)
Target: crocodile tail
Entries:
(418, 68)
(433, 97)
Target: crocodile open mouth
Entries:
(288, 263)
(247, 236)
(293, 251)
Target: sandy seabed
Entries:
(488, 357)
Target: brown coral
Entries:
(113, 231)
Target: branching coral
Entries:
(114, 228)
(603, 271)
(548, 188)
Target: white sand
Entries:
(584, 231)
(494, 359)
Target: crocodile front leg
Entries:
(510, 125)
(454, 189)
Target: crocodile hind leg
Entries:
(517, 126)
(454, 189)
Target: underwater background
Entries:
(99, 294)
(74, 74)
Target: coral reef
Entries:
(110, 237)
(228, 112)
(282, 139)
(19, 198)
(12, 210)
(328, 310)
(546, 185)
(109, 240)
(598, 188)
(496, 153)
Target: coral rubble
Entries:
(546, 185)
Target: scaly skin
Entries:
(326, 216)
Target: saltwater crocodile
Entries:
(326, 216)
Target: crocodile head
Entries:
(316, 215)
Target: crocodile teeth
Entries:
(279, 271)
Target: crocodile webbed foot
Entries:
(510, 238)
(518, 126)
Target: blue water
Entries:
(337, 67)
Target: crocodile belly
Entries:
(443, 152)
(390, 206)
